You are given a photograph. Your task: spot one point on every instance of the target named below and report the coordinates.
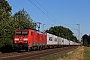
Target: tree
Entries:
(88, 40)
(62, 32)
(85, 39)
(21, 20)
(5, 10)
(5, 14)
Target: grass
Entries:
(69, 56)
(56, 56)
(86, 54)
(77, 54)
(53, 56)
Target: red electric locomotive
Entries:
(28, 39)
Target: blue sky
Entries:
(59, 12)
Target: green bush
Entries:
(6, 44)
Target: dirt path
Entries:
(75, 55)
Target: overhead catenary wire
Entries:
(42, 11)
(15, 6)
(53, 17)
(29, 13)
(45, 9)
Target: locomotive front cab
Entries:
(21, 39)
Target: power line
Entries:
(42, 11)
(45, 9)
(15, 6)
(41, 6)
(52, 16)
(13, 10)
(37, 18)
(30, 14)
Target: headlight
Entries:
(16, 39)
(25, 39)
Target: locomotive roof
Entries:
(30, 29)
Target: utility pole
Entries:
(43, 27)
(78, 32)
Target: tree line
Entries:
(21, 20)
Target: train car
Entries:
(69, 42)
(59, 39)
(51, 40)
(66, 42)
(28, 39)
(55, 42)
(72, 43)
(62, 41)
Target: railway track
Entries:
(34, 54)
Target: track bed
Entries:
(35, 54)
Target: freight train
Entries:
(29, 39)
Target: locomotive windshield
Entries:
(25, 33)
(18, 33)
(21, 33)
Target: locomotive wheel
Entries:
(34, 48)
(40, 48)
(28, 49)
(43, 47)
